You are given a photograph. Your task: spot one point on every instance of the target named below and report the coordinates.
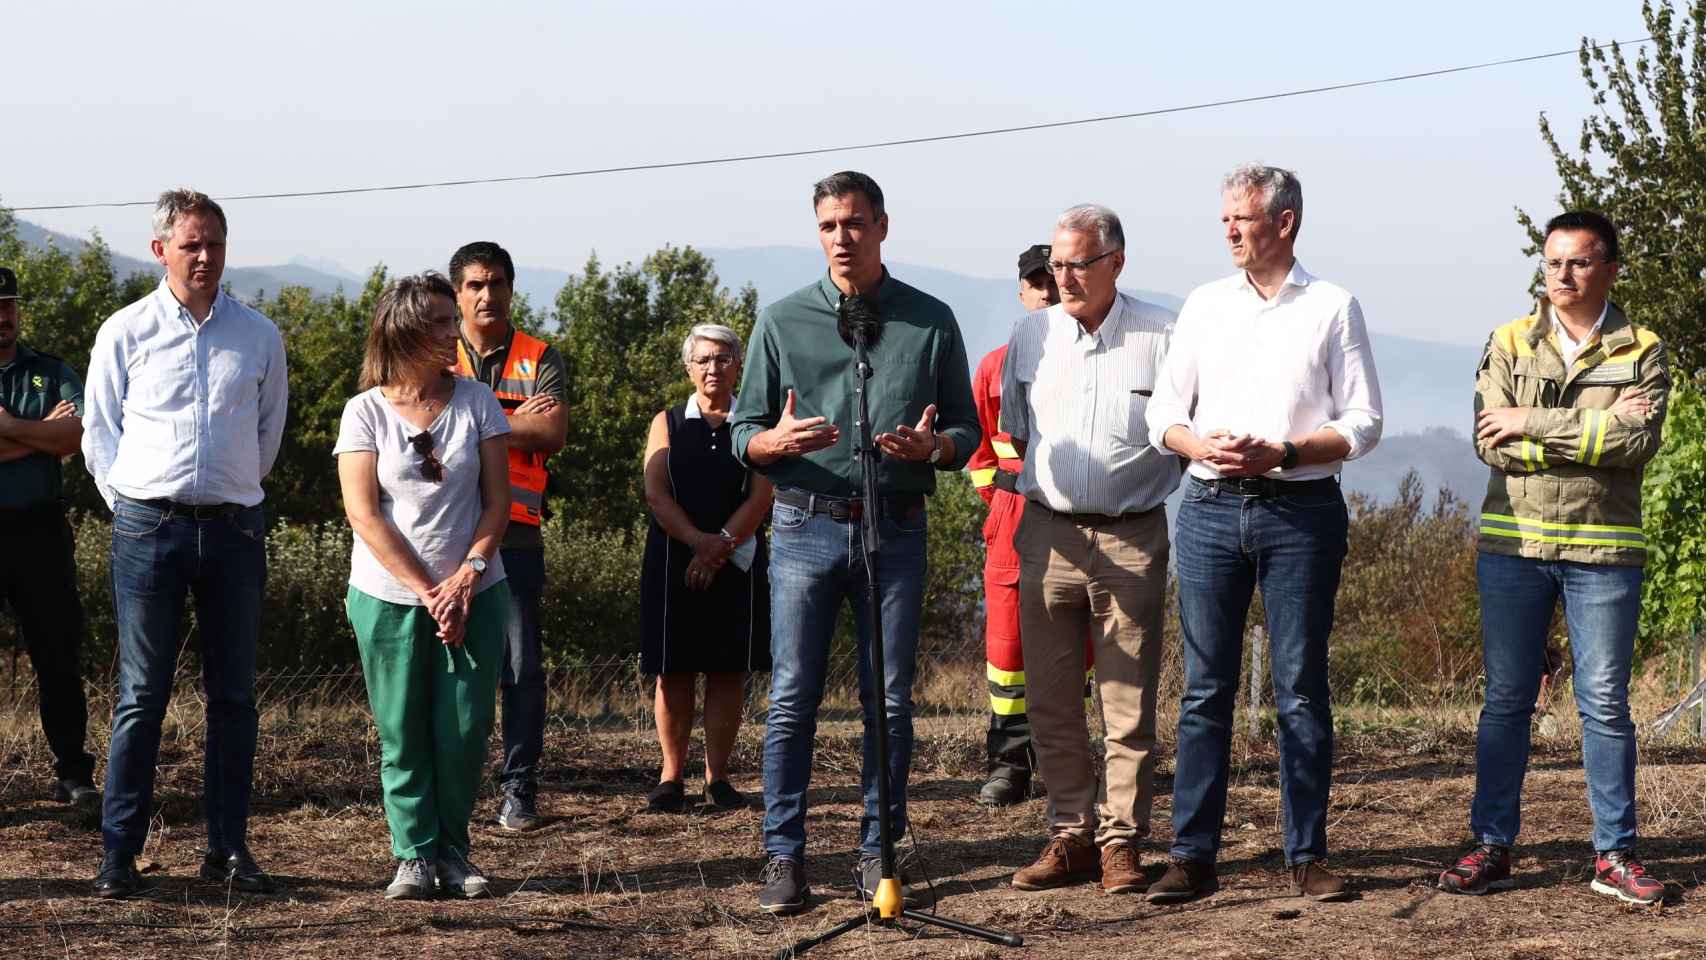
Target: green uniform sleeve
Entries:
(1494, 388)
(71, 387)
(956, 412)
(759, 405)
(1599, 438)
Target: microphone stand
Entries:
(887, 904)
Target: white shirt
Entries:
(184, 411)
(1276, 369)
(1568, 348)
(438, 520)
(1077, 401)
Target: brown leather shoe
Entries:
(1065, 860)
(1311, 879)
(1120, 873)
(1184, 880)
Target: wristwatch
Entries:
(939, 450)
(1290, 459)
(478, 563)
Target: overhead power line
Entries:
(875, 145)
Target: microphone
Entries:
(857, 319)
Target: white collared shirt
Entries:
(1568, 348)
(1077, 400)
(1275, 369)
(185, 411)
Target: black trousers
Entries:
(38, 581)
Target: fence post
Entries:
(1694, 672)
(1257, 649)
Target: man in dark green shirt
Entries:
(41, 405)
(794, 422)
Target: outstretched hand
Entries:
(911, 443)
(793, 436)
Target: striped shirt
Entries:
(1077, 401)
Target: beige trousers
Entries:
(1107, 577)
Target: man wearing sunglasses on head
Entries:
(184, 412)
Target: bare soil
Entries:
(606, 879)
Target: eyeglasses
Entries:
(1578, 264)
(1079, 266)
(720, 359)
(431, 468)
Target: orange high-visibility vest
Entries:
(515, 384)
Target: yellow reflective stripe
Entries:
(1527, 461)
(983, 478)
(1539, 452)
(1006, 706)
(1599, 439)
(1587, 434)
(1550, 525)
(1543, 538)
(1004, 450)
(1006, 678)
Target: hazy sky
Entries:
(1409, 187)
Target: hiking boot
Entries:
(1005, 788)
(1312, 879)
(79, 793)
(237, 870)
(1616, 873)
(459, 878)
(721, 795)
(117, 876)
(870, 870)
(785, 889)
(413, 881)
(667, 797)
(1184, 880)
(1065, 859)
(516, 812)
(1120, 870)
(1486, 866)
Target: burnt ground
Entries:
(605, 879)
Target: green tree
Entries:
(1674, 518)
(620, 336)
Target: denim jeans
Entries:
(1602, 605)
(159, 557)
(523, 677)
(1226, 545)
(816, 565)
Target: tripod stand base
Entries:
(871, 917)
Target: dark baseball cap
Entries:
(1034, 259)
(8, 285)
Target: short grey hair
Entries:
(174, 205)
(1097, 219)
(1281, 188)
(716, 333)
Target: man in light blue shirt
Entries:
(184, 411)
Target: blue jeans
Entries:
(1226, 545)
(1602, 605)
(159, 557)
(523, 677)
(816, 565)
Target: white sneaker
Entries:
(413, 881)
(459, 878)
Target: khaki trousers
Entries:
(1106, 576)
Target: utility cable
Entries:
(875, 145)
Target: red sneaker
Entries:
(1616, 873)
(1487, 866)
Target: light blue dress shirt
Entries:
(184, 411)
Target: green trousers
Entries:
(433, 706)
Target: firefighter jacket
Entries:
(995, 454)
(1570, 487)
(527, 475)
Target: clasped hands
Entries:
(1495, 425)
(1239, 454)
(448, 604)
(710, 552)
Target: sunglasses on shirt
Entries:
(431, 468)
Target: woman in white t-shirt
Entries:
(423, 463)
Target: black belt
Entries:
(1269, 487)
(1089, 519)
(846, 509)
(197, 511)
(1007, 480)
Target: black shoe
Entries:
(117, 876)
(236, 869)
(785, 889)
(870, 871)
(721, 795)
(1005, 788)
(517, 811)
(78, 792)
(667, 797)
